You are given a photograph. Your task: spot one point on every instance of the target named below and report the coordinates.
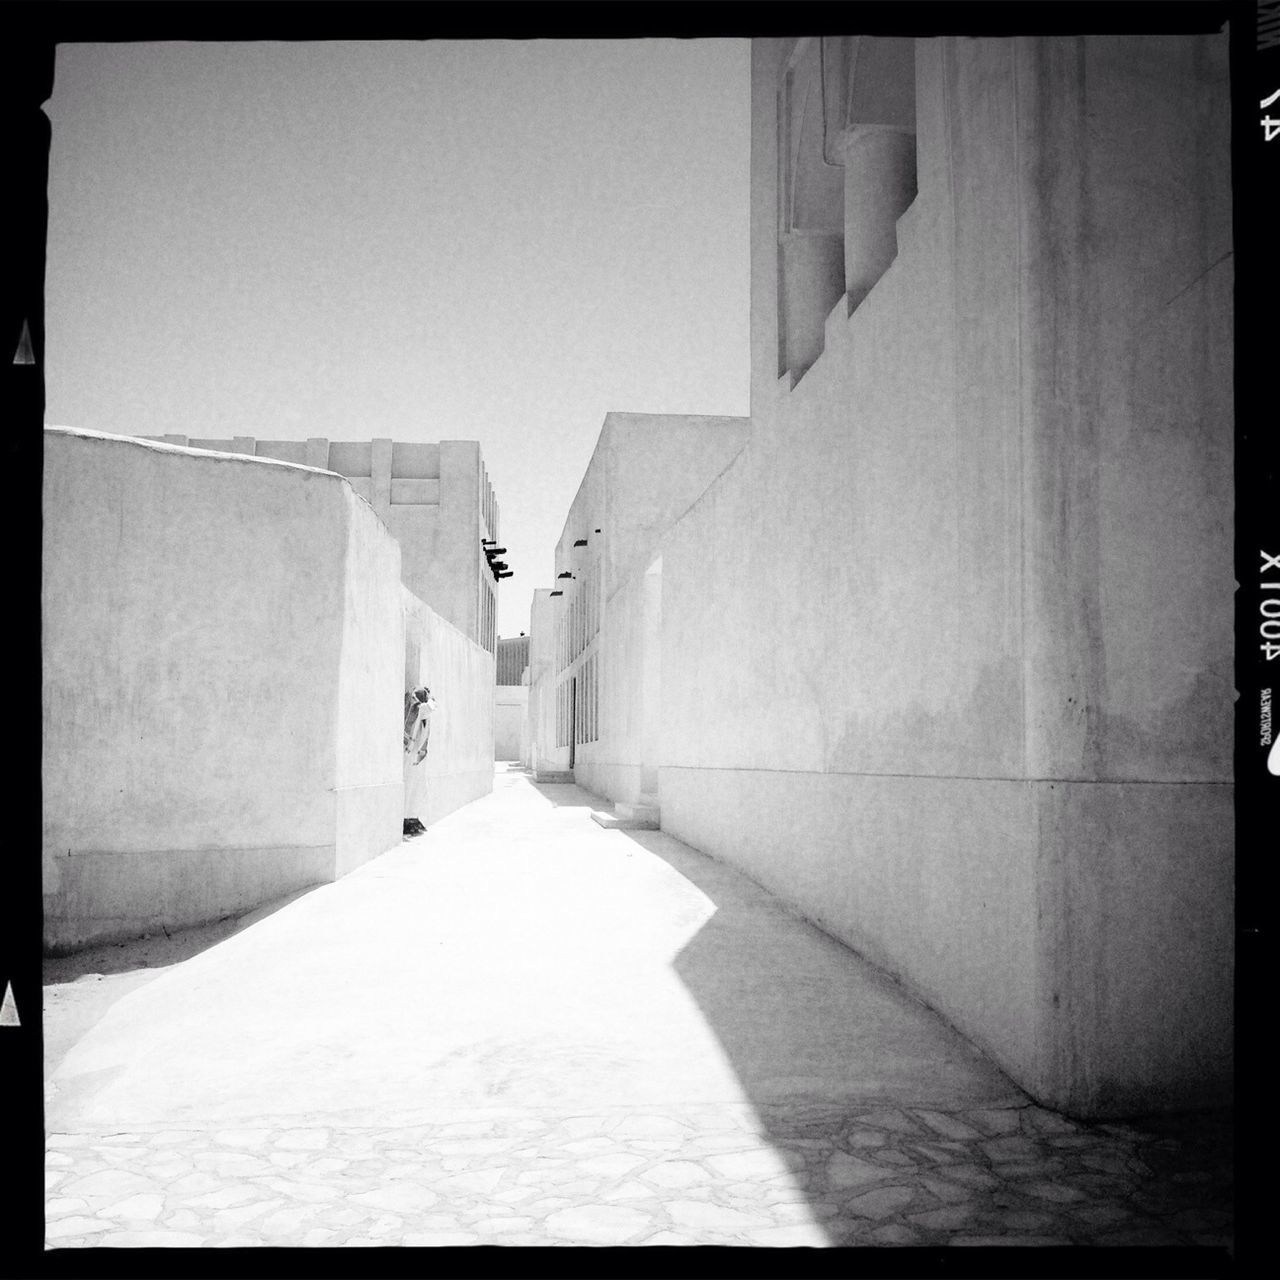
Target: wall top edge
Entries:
(622, 417)
(218, 455)
(163, 446)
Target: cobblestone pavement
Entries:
(720, 1175)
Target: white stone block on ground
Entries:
(762, 1163)
(144, 1208)
(848, 1171)
(701, 1216)
(440, 1239)
(401, 1197)
(796, 1236)
(115, 1183)
(303, 1140)
(598, 1224)
(75, 1226)
(250, 1138)
(676, 1174)
(628, 1191)
(152, 1240)
(947, 1125)
(881, 1203)
(63, 1206)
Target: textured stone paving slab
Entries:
(802, 1177)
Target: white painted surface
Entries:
(435, 498)
(974, 570)
(510, 706)
(459, 763)
(645, 472)
(204, 649)
(368, 783)
(945, 652)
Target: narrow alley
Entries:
(523, 1029)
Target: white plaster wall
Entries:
(368, 781)
(442, 561)
(435, 498)
(645, 471)
(979, 550)
(611, 765)
(197, 648)
(510, 706)
(459, 764)
(540, 716)
(654, 467)
(623, 761)
(1128, 439)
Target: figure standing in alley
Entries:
(418, 705)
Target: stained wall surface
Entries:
(223, 651)
(946, 650)
(459, 763)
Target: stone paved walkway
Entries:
(722, 1175)
(524, 1030)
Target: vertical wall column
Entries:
(380, 473)
(813, 271)
(318, 452)
(460, 521)
(651, 679)
(879, 185)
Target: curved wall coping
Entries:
(163, 446)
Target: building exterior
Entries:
(435, 498)
(510, 697)
(593, 716)
(537, 744)
(945, 653)
(459, 763)
(226, 645)
(510, 659)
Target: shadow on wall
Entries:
(803, 1018)
(871, 1100)
(815, 1034)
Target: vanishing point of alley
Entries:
(524, 1029)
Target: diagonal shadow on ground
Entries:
(890, 1127)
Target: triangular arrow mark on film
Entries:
(25, 353)
(9, 1010)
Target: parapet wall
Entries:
(222, 660)
(436, 498)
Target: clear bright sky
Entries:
(496, 241)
